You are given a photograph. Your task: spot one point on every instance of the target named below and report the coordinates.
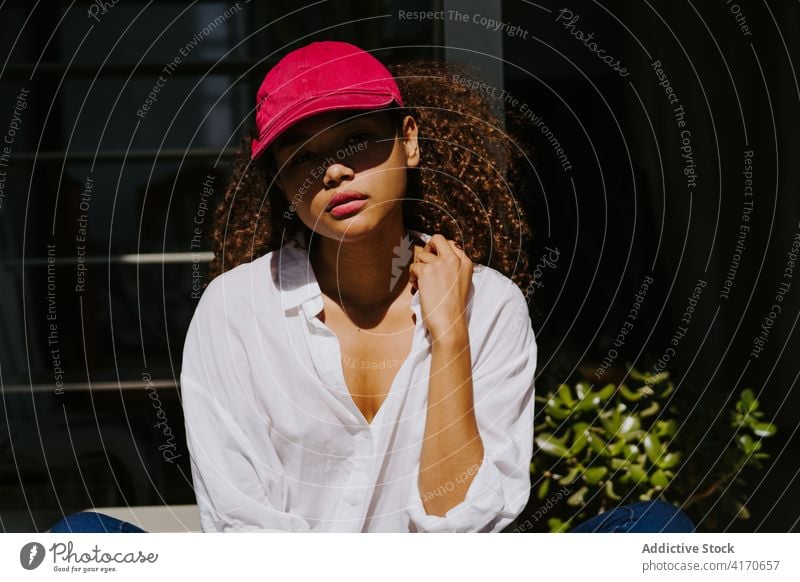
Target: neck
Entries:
(359, 274)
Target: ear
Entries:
(410, 141)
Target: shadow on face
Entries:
(354, 139)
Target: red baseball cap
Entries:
(319, 77)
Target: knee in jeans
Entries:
(667, 513)
(661, 508)
(86, 521)
(69, 522)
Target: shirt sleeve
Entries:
(503, 387)
(237, 490)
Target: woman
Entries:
(370, 377)
(363, 359)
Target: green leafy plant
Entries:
(623, 443)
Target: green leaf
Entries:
(610, 490)
(556, 411)
(611, 421)
(636, 374)
(549, 423)
(577, 498)
(616, 448)
(746, 442)
(647, 377)
(570, 477)
(588, 403)
(630, 451)
(598, 445)
(557, 525)
(580, 443)
(659, 479)
(565, 395)
(653, 379)
(744, 513)
(665, 428)
(669, 460)
(650, 410)
(652, 447)
(629, 424)
(580, 427)
(543, 489)
(619, 447)
(668, 390)
(630, 395)
(645, 390)
(637, 473)
(747, 404)
(594, 475)
(751, 446)
(617, 464)
(606, 392)
(764, 429)
(581, 436)
(551, 445)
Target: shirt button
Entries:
(351, 498)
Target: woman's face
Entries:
(345, 152)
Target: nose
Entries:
(336, 173)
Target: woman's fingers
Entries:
(437, 248)
(441, 247)
(413, 276)
(426, 257)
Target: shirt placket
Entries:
(364, 465)
(324, 349)
(326, 359)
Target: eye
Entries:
(301, 158)
(358, 137)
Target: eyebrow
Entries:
(300, 138)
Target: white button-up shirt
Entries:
(277, 442)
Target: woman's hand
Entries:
(442, 274)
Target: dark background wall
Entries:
(620, 212)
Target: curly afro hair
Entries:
(466, 186)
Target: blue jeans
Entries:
(641, 517)
(93, 522)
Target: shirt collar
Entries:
(297, 281)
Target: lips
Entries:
(343, 198)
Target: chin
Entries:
(351, 229)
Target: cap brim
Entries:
(334, 102)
